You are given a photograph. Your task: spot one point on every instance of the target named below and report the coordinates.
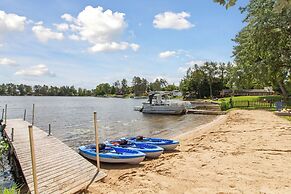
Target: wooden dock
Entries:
(59, 169)
(205, 112)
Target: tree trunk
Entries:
(210, 90)
(283, 89)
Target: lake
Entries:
(71, 118)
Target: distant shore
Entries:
(241, 152)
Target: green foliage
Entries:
(226, 3)
(225, 105)
(12, 190)
(3, 146)
(103, 89)
(140, 86)
(158, 85)
(38, 90)
(252, 98)
(206, 80)
(279, 5)
(262, 53)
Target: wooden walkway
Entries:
(59, 168)
(205, 112)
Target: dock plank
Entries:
(59, 168)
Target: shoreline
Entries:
(216, 121)
(241, 152)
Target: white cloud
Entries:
(11, 22)
(167, 54)
(44, 34)
(101, 28)
(7, 62)
(62, 27)
(171, 20)
(113, 46)
(36, 71)
(67, 17)
(74, 37)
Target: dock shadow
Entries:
(171, 151)
(109, 166)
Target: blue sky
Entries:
(84, 43)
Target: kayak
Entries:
(167, 144)
(112, 154)
(150, 150)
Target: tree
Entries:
(279, 5)
(210, 70)
(124, 87)
(43, 90)
(21, 89)
(117, 87)
(264, 45)
(3, 89)
(206, 80)
(36, 90)
(102, 89)
(171, 87)
(194, 83)
(139, 86)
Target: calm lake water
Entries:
(71, 118)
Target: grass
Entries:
(287, 118)
(252, 98)
(249, 102)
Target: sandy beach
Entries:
(241, 152)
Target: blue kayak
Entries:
(151, 151)
(167, 144)
(112, 154)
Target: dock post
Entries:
(5, 122)
(32, 118)
(49, 132)
(96, 140)
(12, 134)
(32, 152)
(24, 115)
(2, 117)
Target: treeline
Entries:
(139, 87)
(44, 90)
(206, 80)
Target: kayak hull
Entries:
(166, 144)
(153, 154)
(169, 147)
(150, 150)
(114, 160)
(134, 157)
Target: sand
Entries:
(241, 152)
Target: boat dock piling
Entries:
(48, 165)
(96, 140)
(5, 114)
(2, 117)
(24, 115)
